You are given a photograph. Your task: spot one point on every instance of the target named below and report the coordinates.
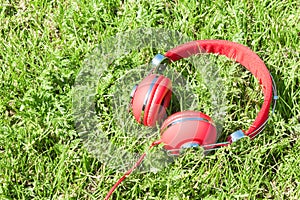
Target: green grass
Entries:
(42, 48)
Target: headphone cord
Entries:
(126, 174)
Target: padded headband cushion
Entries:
(240, 54)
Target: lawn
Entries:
(44, 46)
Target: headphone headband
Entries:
(241, 54)
(235, 51)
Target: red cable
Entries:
(126, 174)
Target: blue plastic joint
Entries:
(158, 59)
(235, 136)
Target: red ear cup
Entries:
(151, 99)
(187, 127)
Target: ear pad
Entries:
(187, 127)
(151, 99)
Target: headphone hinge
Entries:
(159, 63)
(235, 136)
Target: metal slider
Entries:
(205, 148)
(190, 145)
(235, 136)
(275, 95)
(159, 59)
(159, 62)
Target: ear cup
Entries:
(151, 98)
(187, 127)
(159, 101)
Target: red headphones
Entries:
(186, 129)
